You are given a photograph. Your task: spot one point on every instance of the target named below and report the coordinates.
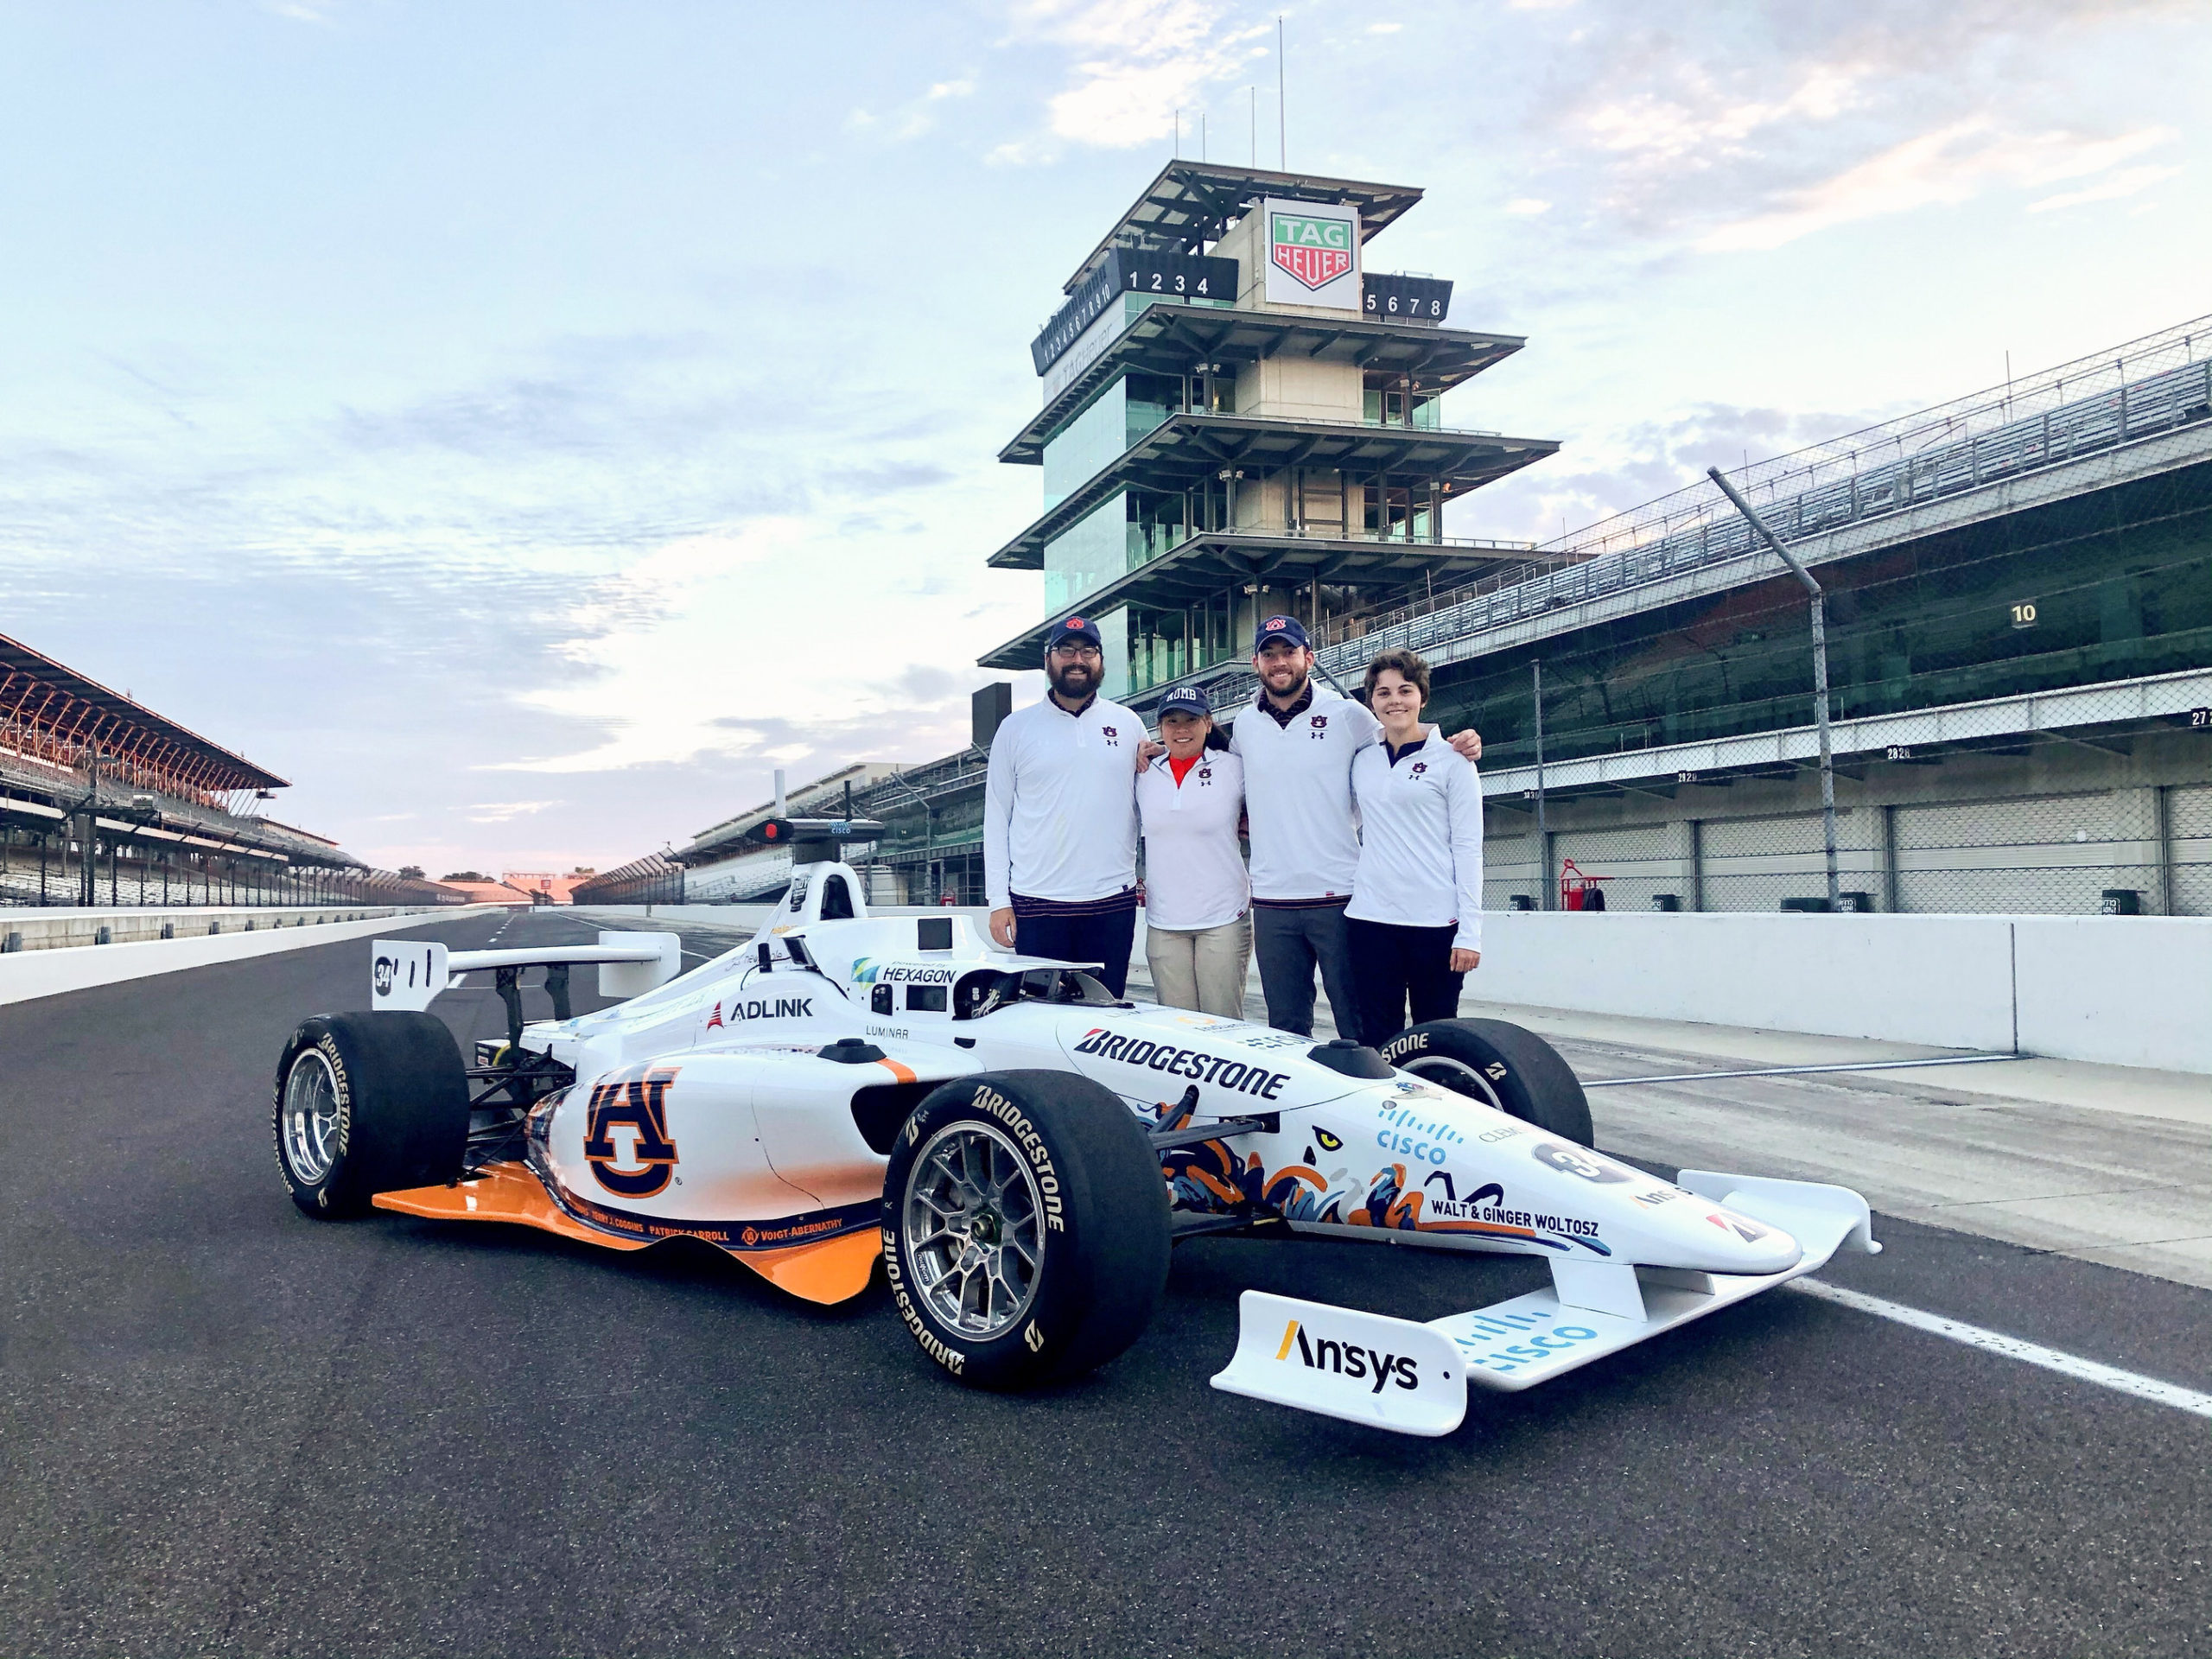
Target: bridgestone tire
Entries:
(398, 1094)
(1101, 1213)
(1502, 1066)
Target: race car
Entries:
(1020, 1149)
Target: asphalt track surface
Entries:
(229, 1428)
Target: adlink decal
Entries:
(1352, 1359)
(768, 1008)
(1239, 1076)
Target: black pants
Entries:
(1089, 937)
(1289, 942)
(1392, 965)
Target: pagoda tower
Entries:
(1241, 417)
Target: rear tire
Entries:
(367, 1103)
(1025, 1227)
(1501, 1066)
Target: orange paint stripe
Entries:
(903, 1073)
(832, 1270)
(505, 1193)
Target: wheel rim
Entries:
(311, 1118)
(974, 1229)
(1459, 1077)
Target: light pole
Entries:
(1820, 673)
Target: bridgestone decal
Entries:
(1239, 1076)
(950, 1358)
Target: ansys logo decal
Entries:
(1352, 1359)
(1315, 251)
(627, 1143)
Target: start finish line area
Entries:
(234, 1427)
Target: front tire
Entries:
(1501, 1066)
(1025, 1227)
(367, 1103)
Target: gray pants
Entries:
(1289, 944)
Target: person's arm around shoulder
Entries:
(998, 817)
(1462, 803)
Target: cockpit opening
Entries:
(988, 988)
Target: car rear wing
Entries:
(408, 974)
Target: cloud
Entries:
(505, 811)
(1136, 63)
(1950, 165)
(2125, 183)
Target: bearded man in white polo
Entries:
(1060, 816)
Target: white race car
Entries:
(1020, 1149)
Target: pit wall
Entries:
(2124, 990)
(28, 974)
(57, 928)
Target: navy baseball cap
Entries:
(1185, 700)
(1069, 629)
(1281, 628)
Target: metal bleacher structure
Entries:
(103, 802)
(2093, 406)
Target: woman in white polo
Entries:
(1198, 921)
(1415, 919)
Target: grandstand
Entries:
(103, 802)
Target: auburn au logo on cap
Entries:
(1275, 622)
(1072, 622)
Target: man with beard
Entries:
(1297, 742)
(1060, 817)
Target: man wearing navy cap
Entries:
(1297, 742)
(1059, 815)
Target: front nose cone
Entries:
(1725, 1242)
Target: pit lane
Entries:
(229, 1428)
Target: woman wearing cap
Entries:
(1197, 901)
(1415, 918)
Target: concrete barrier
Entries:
(2125, 990)
(29, 974)
(57, 927)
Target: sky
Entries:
(525, 428)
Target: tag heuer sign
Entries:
(1315, 250)
(1313, 253)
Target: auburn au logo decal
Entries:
(633, 1106)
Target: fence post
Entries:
(1543, 833)
(2162, 842)
(1820, 676)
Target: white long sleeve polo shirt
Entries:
(1421, 856)
(1059, 807)
(1298, 794)
(1193, 869)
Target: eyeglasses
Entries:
(1078, 652)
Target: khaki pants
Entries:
(1203, 969)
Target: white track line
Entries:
(2086, 1370)
(1799, 1070)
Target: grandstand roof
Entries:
(54, 700)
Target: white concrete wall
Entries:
(28, 974)
(54, 927)
(2125, 990)
(2129, 990)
